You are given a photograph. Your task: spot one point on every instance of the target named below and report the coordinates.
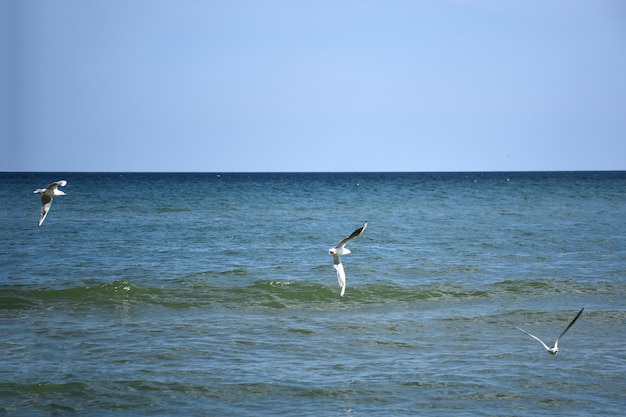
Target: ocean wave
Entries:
(195, 292)
(275, 294)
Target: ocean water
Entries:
(214, 294)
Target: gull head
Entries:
(554, 350)
(339, 251)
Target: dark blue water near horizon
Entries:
(214, 294)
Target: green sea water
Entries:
(214, 294)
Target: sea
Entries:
(213, 294)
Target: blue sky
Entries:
(288, 85)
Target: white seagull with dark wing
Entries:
(338, 251)
(46, 197)
(553, 350)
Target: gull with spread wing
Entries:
(338, 251)
(553, 350)
(46, 197)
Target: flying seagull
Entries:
(553, 350)
(46, 197)
(338, 251)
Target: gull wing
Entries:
(571, 323)
(341, 277)
(54, 185)
(354, 234)
(534, 337)
(46, 202)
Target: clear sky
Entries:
(312, 85)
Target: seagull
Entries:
(553, 350)
(338, 251)
(46, 197)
